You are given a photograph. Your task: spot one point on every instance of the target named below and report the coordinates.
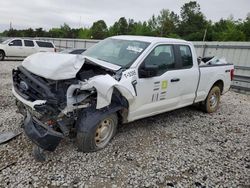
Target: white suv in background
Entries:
(24, 47)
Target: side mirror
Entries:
(148, 71)
(199, 60)
(11, 43)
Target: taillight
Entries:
(232, 74)
(54, 49)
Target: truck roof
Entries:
(149, 39)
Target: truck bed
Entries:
(209, 74)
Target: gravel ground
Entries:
(183, 148)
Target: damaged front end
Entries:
(53, 101)
(42, 101)
(51, 107)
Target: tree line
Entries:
(191, 25)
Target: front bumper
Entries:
(41, 134)
(26, 102)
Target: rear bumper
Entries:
(41, 134)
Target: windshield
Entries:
(6, 41)
(117, 51)
(65, 51)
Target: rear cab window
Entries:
(29, 43)
(45, 44)
(186, 56)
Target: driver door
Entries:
(15, 48)
(159, 91)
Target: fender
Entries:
(214, 80)
(105, 85)
(89, 117)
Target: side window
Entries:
(163, 57)
(28, 43)
(186, 57)
(44, 44)
(15, 43)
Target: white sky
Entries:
(53, 13)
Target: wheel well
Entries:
(119, 99)
(2, 51)
(220, 84)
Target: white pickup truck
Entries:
(17, 47)
(121, 79)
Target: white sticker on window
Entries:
(134, 49)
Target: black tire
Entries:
(88, 141)
(211, 104)
(2, 55)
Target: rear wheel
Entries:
(99, 135)
(2, 54)
(211, 104)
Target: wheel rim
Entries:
(1, 55)
(104, 132)
(213, 100)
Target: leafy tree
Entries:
(167, 22)
(84, 33)
(173, 35)
(246, 27)
(56, 33)
(120, 27)
(131, 27)
(29, 32)
(66, 31)
(39, 32)
(113, 30)
(153, 25)
(227, 30)
(99, 30)
(193, 23)
(142, 28)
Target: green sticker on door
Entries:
(164, 84)
(159, 92)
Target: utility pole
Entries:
(204, 37)
(80, 24)
(10, 25)
(204, 45)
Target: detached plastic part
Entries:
(40, 134)
(7, 136)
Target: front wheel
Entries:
(2, 55)
(99, 135)
(211, 104)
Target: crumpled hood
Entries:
(56, 66)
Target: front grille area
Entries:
(30, 86)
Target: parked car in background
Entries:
(73, 51)
(17, 47)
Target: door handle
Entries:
(175, 80)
